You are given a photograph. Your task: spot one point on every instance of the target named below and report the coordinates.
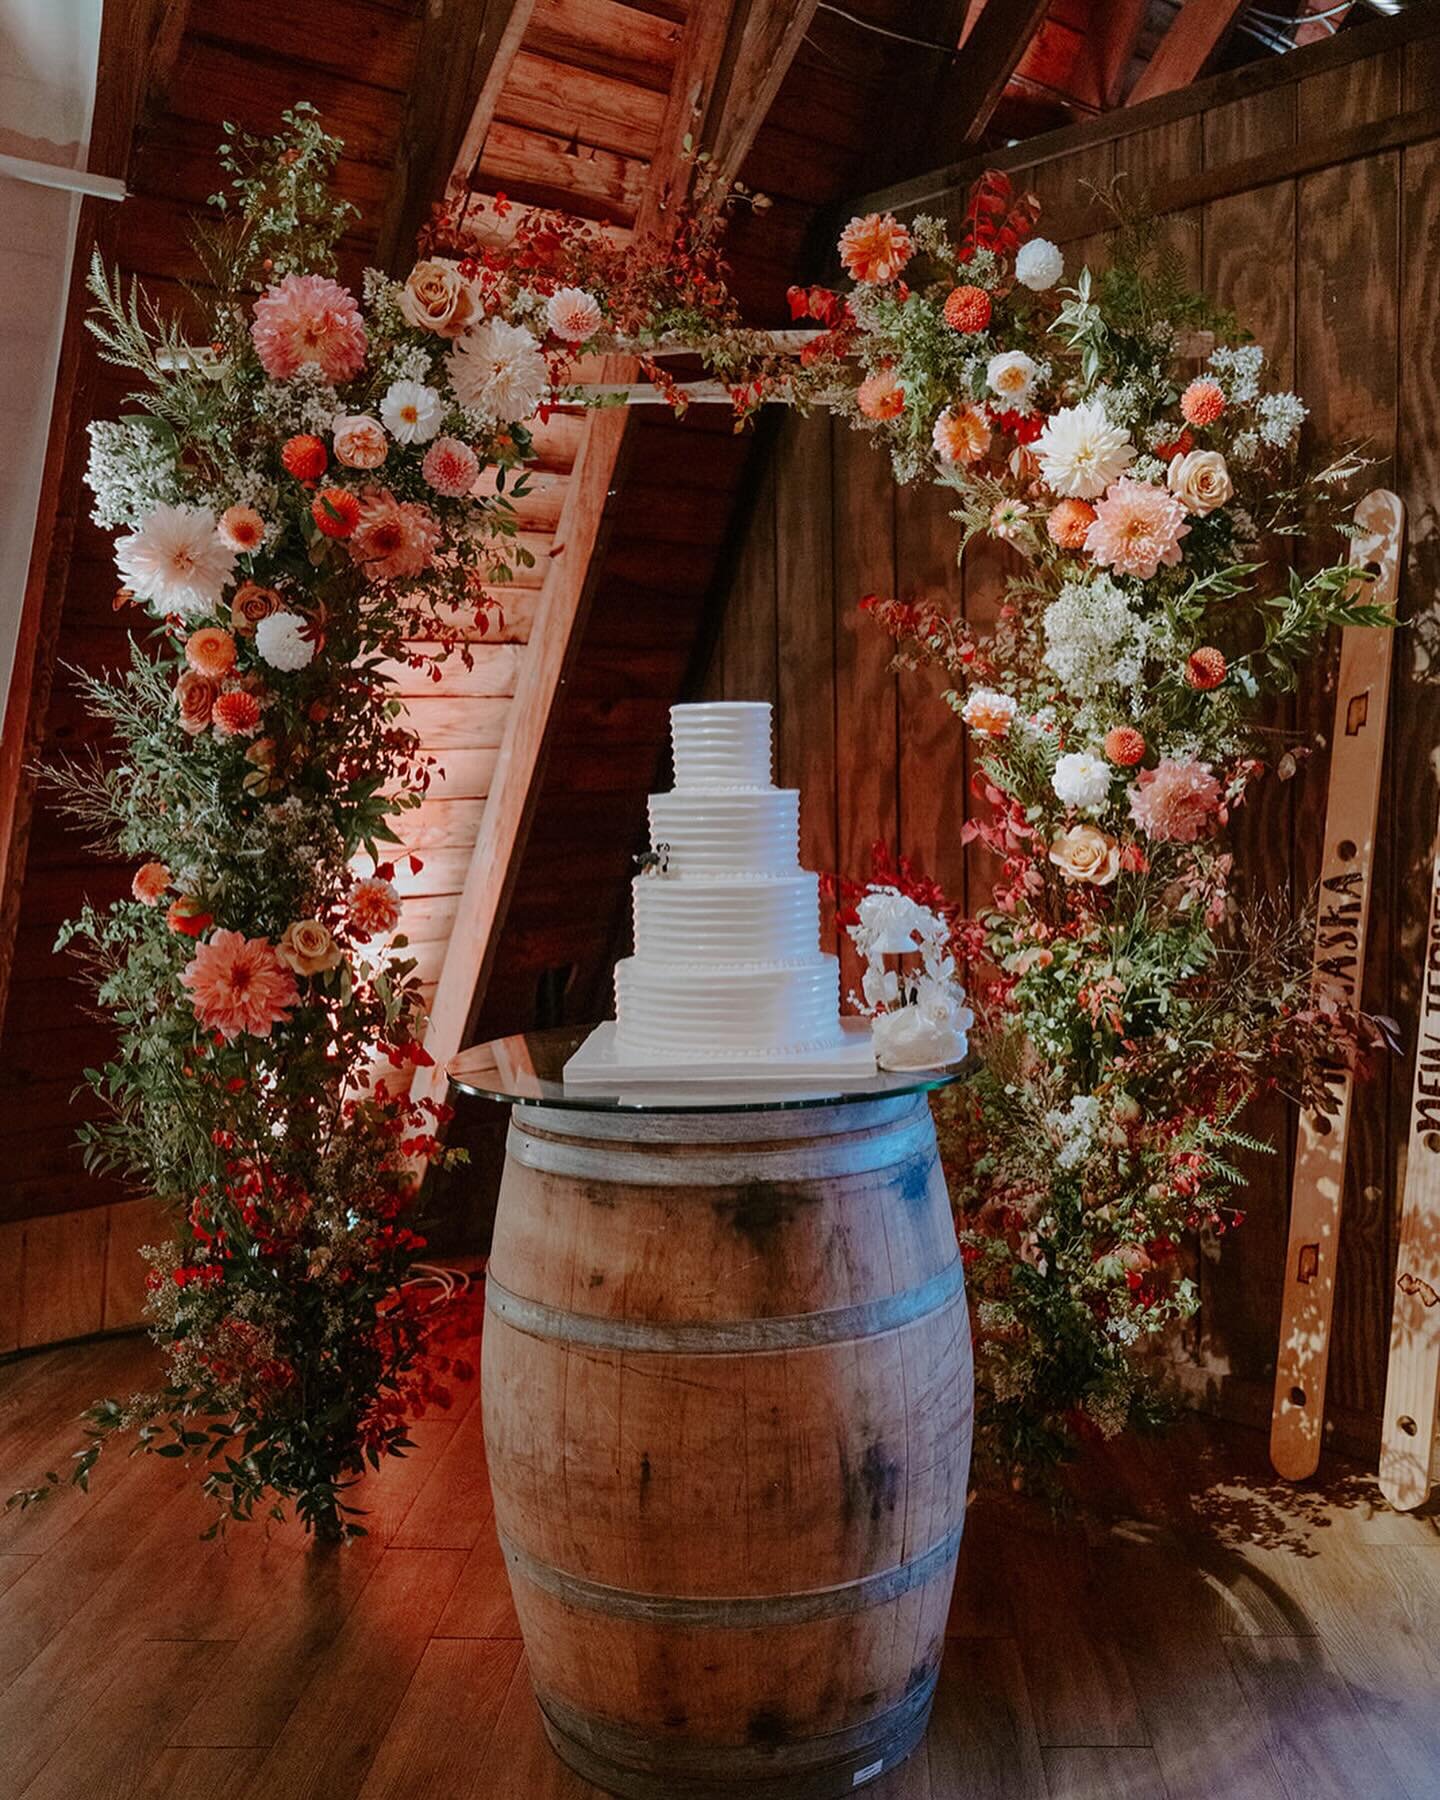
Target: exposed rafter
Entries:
(1199, 29)
(465, 53)
(989, 54)
(732, 61)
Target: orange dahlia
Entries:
(1205, 668)
(875, 248)
(967, 309)
(1202, 403)
(335, 511)
(1069, 524)
(210, 651)
(304, 457)
(372, 908)
(880, 396)
(236, 714)
(1124, 745)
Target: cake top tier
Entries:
(722, 743)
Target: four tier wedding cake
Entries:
(727, 976)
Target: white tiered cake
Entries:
(728, 978)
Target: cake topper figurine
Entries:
(920, 1017)
(654, 862)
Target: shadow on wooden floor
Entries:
(1197, 1631)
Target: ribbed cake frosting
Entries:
(727, 960)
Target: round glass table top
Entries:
(527, 1071)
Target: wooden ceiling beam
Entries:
(1116, 26)
(465, 52)
(993, 45)
(719, 96)
(1195, 34)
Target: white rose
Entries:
(1199, 481)
(1038, 264)
(1011, 375)
(1082, 780)
(890, 922)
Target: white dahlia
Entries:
(412, 412)
(1038, 265)
(1082, 780)
(1081, 452)
(498, 373)
(176, 559)
(280, 639)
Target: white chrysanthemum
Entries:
(1038, 265)
(573, 314)
(1093, 639)
(280, 639)
(1082, 780)
(176, 560)
(498, 373)
(412, 412)
(1011, 375)
(1081, 452)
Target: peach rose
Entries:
(308, 948)
(360, 441)
(1200, 481)
(150, 882)
(210, 651)
(1085, 853)
(438, 298)
(251, 604)
(195, 695)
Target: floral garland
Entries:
(1129, 1005)
(329, 484)
(320, 494)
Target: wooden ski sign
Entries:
(1407, 1441)
(1357, 749)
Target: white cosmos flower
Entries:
(1081, 452)
(280, 640)
(176, 560)
(498, 373)
(1038, 264)
(1082, 780)
(412, 412)
(1011, 375)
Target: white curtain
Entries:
(48, 53)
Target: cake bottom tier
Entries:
(715, 1011)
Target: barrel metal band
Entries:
(795, 1160)
(628, 1751)
(728, 1337)
(741, 1612)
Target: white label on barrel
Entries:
(868, 1773)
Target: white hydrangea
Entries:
(1082, 780)
(1237, 369)
(1093, 638)
(1281, 416)
(1039, 264)
(280, 641)
(130, 473)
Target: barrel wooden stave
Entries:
(649, 1489)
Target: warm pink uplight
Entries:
(238, 984)
(309, 319)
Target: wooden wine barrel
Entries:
(728, 1391)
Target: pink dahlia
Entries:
(239, 984)
(309, 319)
(450, 467)
(1137, 527)
(1177, 802)
(394, 538)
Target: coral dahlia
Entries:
(875, 248)
(1124, 745)
(1069, 522)
(880, 396)
(1202, 403)
(967, 309)
(238, 984)
(304, 457)
(210, 651)
(309, 319)
(394, 538)
(372, 908)
(961, 435)
(336, 512)
(236, 713)
(1205, 668)
(242, 528)
(149, 883)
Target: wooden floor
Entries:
(1199, 1632)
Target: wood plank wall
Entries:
(1337, 270)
